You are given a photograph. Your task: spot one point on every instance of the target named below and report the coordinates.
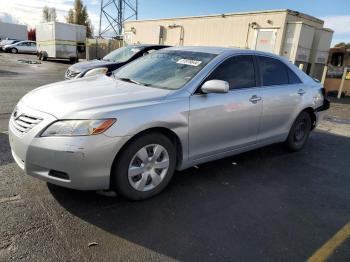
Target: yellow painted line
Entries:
(328, 248)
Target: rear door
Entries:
(224, 122)
(282, 93)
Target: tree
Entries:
(32, 34)
(342, 44)
(79, 15)
(49, 14)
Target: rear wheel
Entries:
(299, 133)
(145, 167)
(14, 50)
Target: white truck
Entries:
(13, 31)
(60, 40)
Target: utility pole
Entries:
(113, 14)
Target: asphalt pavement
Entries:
(264, 205)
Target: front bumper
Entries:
(86, 160)
(325, 106)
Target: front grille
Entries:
(71, 74)
(24, 123)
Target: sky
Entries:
(335, 13)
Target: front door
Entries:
(224, 122)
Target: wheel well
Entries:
(312, 114)
(162, 130)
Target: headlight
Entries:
(78, 127)
(97, 71)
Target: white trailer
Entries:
(60, 40)
(13, 31)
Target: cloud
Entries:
(7, 18)
(29, 12)
(340, 24)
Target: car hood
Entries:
(90, 96)
(83, 66)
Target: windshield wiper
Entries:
(132, 81)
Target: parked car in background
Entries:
(21, 47)
(7, 42)
(169, 110)
(110, 62)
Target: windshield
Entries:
(8, 42)
(122, 54)
(165, 69)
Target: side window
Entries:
(238, 71)
(273, 72)
(292, 77)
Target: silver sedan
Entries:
(167, 111)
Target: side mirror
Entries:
(215, 86)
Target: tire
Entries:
(151, 181)
(73, 60)
(299, 132)
(40, 55)
(14, 50)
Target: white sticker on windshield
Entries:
(135, 50)
(189, 62)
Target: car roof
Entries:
(148, 45)
(24, 41)
(221, 50)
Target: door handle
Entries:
(255, 99)
(301, 91)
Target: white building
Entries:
(299, 37)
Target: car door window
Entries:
(273, 72)
(238, 71)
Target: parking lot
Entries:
(265, 205)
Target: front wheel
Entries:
(145, 167)
(14, 51)
(299, 133)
